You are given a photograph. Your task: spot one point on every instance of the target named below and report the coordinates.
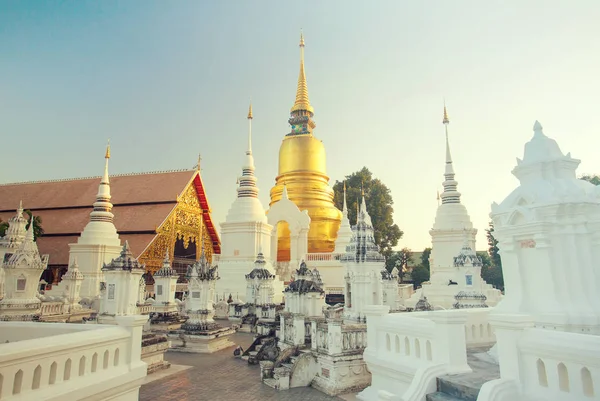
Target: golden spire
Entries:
(446, 120)
(302, 102)
(107, 154)
(250, 112)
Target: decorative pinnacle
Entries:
(446, 120)
(302, 102)
(537, 127)
(250, 112)
(107, 154)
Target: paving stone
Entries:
(221, 377)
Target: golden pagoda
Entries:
(302, 169)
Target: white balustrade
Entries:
(406, 352)
(70, 361)
(478, 330)
(323, 257)
(53, 308)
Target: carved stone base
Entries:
(154, 356)
(201, 342)
(341, 374)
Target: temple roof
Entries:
(141, 204)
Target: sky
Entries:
(166, 81)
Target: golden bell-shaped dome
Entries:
(302, 168)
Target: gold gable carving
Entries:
(185, 222)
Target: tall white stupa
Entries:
(99, 242)
(245, 232)
(452, 231)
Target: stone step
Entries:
(273, 383)
(440, 397)
(460, 389)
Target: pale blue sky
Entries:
(166, 80)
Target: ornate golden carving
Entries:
(185, 222)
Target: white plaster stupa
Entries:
(245, 231)
(452, 231)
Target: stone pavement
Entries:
(221, 377)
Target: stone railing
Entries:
(334, 338)
(53, 308)
(322, 257)
(145, 309)
(543, 364)
(478, 330)
(334, 290)
(406, 352)
(71, 361)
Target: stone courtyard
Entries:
(220, 376)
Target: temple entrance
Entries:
(289, 238)
(183, 256)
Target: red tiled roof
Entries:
(141, 203)
(125, 189)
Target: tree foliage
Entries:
(3, 227)
(492, 273)
(593, 179)
(425, 258)
(379, 205)
(419, 275)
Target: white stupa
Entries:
(363, 267)
(547, 231)
(245, 231)
(99, 242)
(345, 232)
(22, 272)
(452, 231)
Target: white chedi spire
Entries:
(450, 194)
(247, 206)
(102, 206)
(345, 232)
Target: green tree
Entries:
(419, 275)
(425, 257)
(492, 274)
(379, 205)
(3, 227)
(594, 179)
(404, 256)
(393, 261)
(38, 230)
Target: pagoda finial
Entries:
(20, 209)
(199, 161)
(450, 193)
(250, 116)
(107, 154)
(446, 120)
(302, 102)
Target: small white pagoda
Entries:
(22, 273)
(200, 333)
